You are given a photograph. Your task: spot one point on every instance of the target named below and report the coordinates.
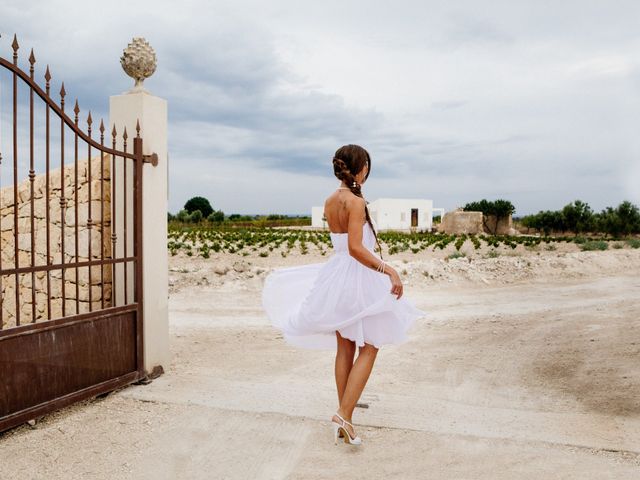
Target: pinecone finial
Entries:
(138, 60)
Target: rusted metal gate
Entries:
(71, 305)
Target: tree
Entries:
(199, 203)
(216, 216)
(499, 208)
(196, 216)
(629, 216)
(182, 216)
(577, 217)
(622, 220)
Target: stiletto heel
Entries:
(347, 436)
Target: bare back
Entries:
(337, 208)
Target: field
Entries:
(264, 241)
(526, 367)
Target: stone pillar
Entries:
(125, 110)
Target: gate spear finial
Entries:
(15, 47)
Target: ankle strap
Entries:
(338, 415)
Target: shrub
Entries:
(594, 245)
(634, 242)
(216, 216)
(196, 216)
(182, 216)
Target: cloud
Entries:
(454, 102)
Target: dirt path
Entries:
(531, 380)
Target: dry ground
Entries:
(525, 368)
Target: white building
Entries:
(317, 217)
(392, 214)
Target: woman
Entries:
(353, 299)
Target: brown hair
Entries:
(348, 161)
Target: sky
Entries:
(537, 102)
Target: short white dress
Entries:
(308, 303)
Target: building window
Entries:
(402, 217)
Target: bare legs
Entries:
(351, 377)
(344, 362)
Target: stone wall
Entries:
(459, 221)
(505, 225)
(7, 242)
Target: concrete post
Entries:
(125, 110)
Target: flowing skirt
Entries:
(308, 303)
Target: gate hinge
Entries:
(152, 159)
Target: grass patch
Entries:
(456, 255)
(594, 245)
(634, 242)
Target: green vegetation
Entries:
(497, 208)
(198, 210)
(577, 217)
(195, 211)
(456, 255)
(594, 245)
(200, 204)
(200, 230)
(204, 240)
(634, 242)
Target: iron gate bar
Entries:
(63, 202)
(15, 175)
(62, 321)
(57, 266)
(23, 416)
(47, 77)
(15, 69)
(102, 213)
(137, 247)
(32, 176)
(124, 207)
(76, 110)
(114, 234)
(1, 303)
(90, 218)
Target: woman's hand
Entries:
(396, 283)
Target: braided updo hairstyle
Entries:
(348, 161)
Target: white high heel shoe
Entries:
(347, 436)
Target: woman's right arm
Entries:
(358, 251)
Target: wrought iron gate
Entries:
(71, 253)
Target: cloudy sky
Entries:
(537, 102)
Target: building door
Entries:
(414, 217)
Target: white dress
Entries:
(308, 303)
